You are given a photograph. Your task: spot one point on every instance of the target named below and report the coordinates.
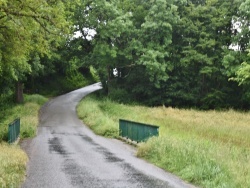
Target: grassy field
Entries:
(12, 159)
(210, 149)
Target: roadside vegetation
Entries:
(12, 159)
(207, 148)
(176, 53)
(12, 165)
(28, 113)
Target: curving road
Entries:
(67, 154)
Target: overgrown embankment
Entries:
(12, 159)
(207, 148)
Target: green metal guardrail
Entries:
(137, 131)
(14, 130)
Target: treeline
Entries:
(185, 53)
(189, 53)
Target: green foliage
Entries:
(214, 100)
(54, 84)
(75, 79)
(119, 95)
(35, 98)
(177, 54)
(30, 23)
(28, 30)
(242, 37)
(243, 74)
(119, 42)
(94, 74)
(156, 36)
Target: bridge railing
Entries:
(135, 131)
(14, 130)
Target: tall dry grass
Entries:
(12, 165)
(12, 158)
(207, 148)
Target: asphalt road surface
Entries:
(67, 154)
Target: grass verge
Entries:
(28, 113)
(206, 148)
(12, 165)
(12, 159)
(89, 110)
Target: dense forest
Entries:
(180, 53)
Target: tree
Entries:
(200, 41)
(168, 52)
(130, 34)
(156, 36)
(242, 70)
(28, 27)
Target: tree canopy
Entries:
(187, 53)
(28, 29)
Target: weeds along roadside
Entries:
(12, 159)
(206, 148)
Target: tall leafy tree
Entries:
(28, 27)
(172, 52)
(130, 34)
(155, 37)
(236, 61)
(242, 72)
(200, 41)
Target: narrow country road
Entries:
(67, 154)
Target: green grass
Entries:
(28, 113)
(12, 165)
(12, 159)
(92, 115)
(207, 148)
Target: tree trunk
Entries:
(19, 92)
(107, 82)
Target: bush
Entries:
(35, 98)
(119, 95)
